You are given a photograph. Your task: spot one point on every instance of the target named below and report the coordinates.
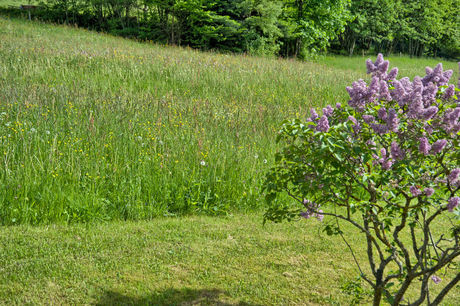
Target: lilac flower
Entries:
(383, 67)
(371, 144)
(449, 93)
(320, 215)
(392, 120)
(429, 94)
(382, 113)
(393, 73)
(313, 114)
(352, 119)
(379, 128)
(406, 83)
(415, 191)
(453, 203)
(429, 112)
(429, 191)
(384, 92)
(357, 93)
(417, 87)
(450, 119)
(310, 212)
(379, 60)
(370, 66)
(368, 118)
(396, 151)
(323, 124)
(438, 146)
(356, 126)
(373, 89)
(379, 67)
(338, 105)
(428, 128)
(437, 76)
(386, 164)
(436, 279)
(399, 93)
(416, 109)
(383, 152)
(454, 174)
(328, 110)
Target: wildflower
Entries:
(33, 130)
(453, 203)
(265, 161)
(438, 146)
(436, 279)
(203, 163)
(415, 191)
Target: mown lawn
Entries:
(172, 261)
(181, 260)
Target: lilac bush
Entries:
(389, 165)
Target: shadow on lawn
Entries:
(172, 296)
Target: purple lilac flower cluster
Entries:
(322, 123)
(312, 210)
(398, 109)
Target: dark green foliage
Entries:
(265, 27)
(297, 28)
(428, 27)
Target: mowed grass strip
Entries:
(95, 127)
(200, 259)
(175, 261)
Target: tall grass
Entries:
(94, 127)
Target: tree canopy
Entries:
(275, 27)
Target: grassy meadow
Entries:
(96, 128)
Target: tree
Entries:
(309, 25)
(389, 165)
